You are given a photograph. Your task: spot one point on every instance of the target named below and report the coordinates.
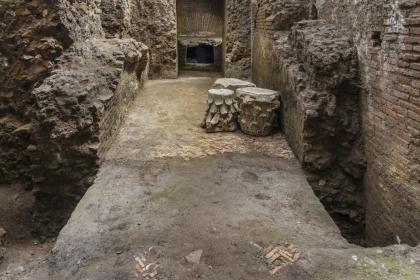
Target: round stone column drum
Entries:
(222, 111)
(258, 110)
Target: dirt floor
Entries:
(172, 202)
(18, 246)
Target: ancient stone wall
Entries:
(64, 92)
(115, 17)
(237, 39)
(386, 34)
(32, 36)
(153, 22)
(79, 110)
(271, 20)
(81, 18)
(321, 117)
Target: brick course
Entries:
(387, 37)
(391, 112)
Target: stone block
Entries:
(258, 109)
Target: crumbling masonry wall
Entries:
(155, 24)
(314, 66)
(386, 34)
(65, 90)
(152, 22)
(386, 39)
(79, 110)
(238, 39)
(271, 20)
(32, 36)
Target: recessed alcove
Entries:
(201, 54)
(200, 34)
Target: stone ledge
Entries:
(79, 110)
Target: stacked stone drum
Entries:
(222, 111)
(258, 110)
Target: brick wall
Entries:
(387, 37)
(321, 117)
(387, 34)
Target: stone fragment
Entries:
(194, 257)
(221, 115)
(232, 83)
(258, 110)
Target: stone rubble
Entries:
(194, 257)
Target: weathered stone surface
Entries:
(386, 36)
(391, 263)
(232, 83)
(147, 194)
(2, 254)
(222, 111)
(32, 36)
(115, 17)
(238, 39)
(81, 18)
(316, 62)
(153, 22)
(79, 110)
(388, 105)
(258, 110)
(271, 19)
(52, 138)
(321, 116)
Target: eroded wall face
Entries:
(32, 36)
(152, 22)
(64, 92)
(385, 34)
(387, 37)
(237, 39)
(271, 20)
(320, 112)
(155, 24)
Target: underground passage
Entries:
(209, 139)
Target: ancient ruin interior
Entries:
(306, 164)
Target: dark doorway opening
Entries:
(202, 54)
